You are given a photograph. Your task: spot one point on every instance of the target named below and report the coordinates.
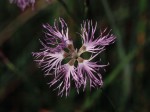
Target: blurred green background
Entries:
(23, 87)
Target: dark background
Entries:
(23, 87)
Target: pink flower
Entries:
(90, 71)
(90, 42)
(63, 75)
(23, 3)
(58, 48)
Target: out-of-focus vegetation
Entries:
(23, 86)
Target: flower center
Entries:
(74, 54)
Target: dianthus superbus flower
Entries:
(59, 58)
(23, 3)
